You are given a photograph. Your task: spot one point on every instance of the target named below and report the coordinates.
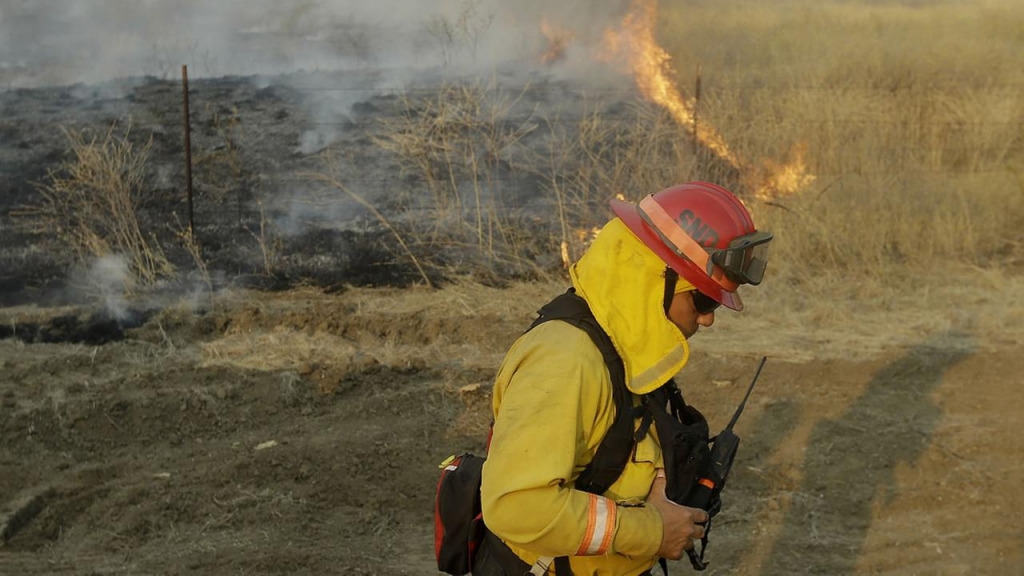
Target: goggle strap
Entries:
(681, 243)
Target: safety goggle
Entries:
(745, 259)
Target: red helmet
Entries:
(704, 233)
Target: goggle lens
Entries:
(756, 262)
(746, 258)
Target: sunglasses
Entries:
(703, 303)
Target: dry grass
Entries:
(462, 145)
(828, 318)
(914, 225)
(461, 298)
(90, 203)
(596, 158)
(269, 240)
(916, 142)
(278, 350)
(300, 331)
(831, 321)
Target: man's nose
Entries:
(706, 320)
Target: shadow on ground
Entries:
(851, 461)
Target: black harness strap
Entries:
(671, 277)
(617, 445)
(562, 566)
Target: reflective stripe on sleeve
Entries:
(600, 527)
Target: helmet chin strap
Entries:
(671, 276)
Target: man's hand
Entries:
(680, 522)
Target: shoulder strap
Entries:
(617, 445)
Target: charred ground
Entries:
(269, 154)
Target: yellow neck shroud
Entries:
(623, 281)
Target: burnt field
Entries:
(260, 155)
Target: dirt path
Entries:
(155, 454)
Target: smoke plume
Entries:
(55, 42)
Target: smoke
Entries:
(105, 47)
(59, 42)
(108, 283)
(109, 279)
(93, 42)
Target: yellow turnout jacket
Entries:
(553, 404)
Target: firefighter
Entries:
(655, 274)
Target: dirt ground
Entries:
(299, 433)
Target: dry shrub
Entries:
(91, 203)
(463, 31)
(463, 146)
(455, 139)
(269, 241)
(595, 158)
(333, 180)
(187, 238)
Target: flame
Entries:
(775, 180)
(584, 238)
(558, 41)
(652, 69)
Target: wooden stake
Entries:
(696, 107)
(188, 152)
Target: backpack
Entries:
(458, 521)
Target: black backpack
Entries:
(458, 523)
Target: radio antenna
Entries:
(743, 404)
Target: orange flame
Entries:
(652, 69)
(584, 238)
(775, 180)
(558, 41)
